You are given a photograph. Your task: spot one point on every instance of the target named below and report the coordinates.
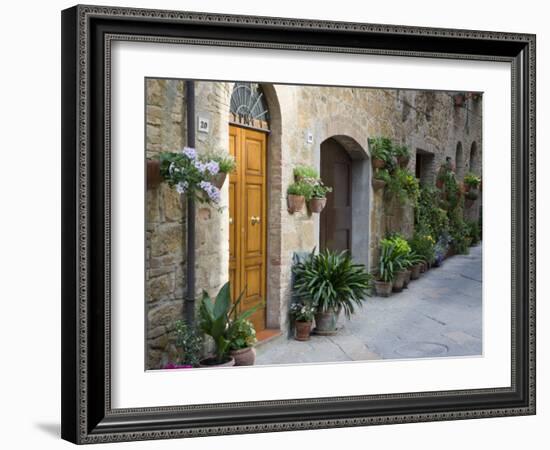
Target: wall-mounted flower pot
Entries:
(295, 203)
(439, 184)
(244, 356)
(153, 173)
(403, 161)
(303, 330)
(316, 205)
(383, 288)
(378, 184)
(378, 163)
(219, 179)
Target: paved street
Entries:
(440, 314)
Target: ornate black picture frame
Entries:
(87, 33)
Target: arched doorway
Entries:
(335, 226)
(248, 211)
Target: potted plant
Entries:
(296, 194)
(459, 98)
(242, 341)
(189, 345)
(318, 196)
(380, 179)
(381, 149)
(303, 172)
(471, 181)
(219, 319)
(402, 154)
(386, 273)
(226, 165)
(334, 283)
(302, 313)
(400, 253)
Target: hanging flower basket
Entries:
(378, 163)
(295, 203)
(378, 184)
(459, 99)
(316, 205)
(219, 179)
(153, 173)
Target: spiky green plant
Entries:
(332, 281)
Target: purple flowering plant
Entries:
(192, 174)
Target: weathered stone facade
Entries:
(427, 122)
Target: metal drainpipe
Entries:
(190, 296)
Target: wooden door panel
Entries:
(248, 232)
(335, 221)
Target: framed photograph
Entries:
(280, 224)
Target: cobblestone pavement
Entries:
(440, 314)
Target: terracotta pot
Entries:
(325, 322)
(244, 356)
(383, 288)
(439, 184)
(211, 362)
(303, 330)
(219, 179)
(153, 173)
(407, 279)
(458, 99)
(316, 205)
(295, 203)
(415, 271)
(403, 161)
(423, 267)
(399, 280)
(378, 163)
(378, 184)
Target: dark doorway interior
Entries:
(424, 169)
(336, 220)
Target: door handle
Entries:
(254, 220)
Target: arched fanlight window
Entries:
(248, 106)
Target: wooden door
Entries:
(247, 220)
(335, 220)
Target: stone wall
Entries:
(425, 121)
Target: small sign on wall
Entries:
(309, 137)
(203, 124)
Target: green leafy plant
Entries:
(302, 171)
(403, 186)
(220, 319)
(383, 174)
(381, 147)
(402, 151)
(243, 335)
(472, 180)
(319, 190)
(423, 245)
(390, 261)
(302, 311)
(226, 162)
(189, 344)
(299, 188)
(458, 231)
(473, 231)
(332, 281)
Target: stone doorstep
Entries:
(267, 335)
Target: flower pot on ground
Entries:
(423, 267)
(188, 344)
(213, 361)
(326, 322)
(407, 279)
(316, 205)
(302, 313)
(383, 288)
(243, 339)
(244, 356)
(399, 280)
(303, 330)
(333, 283)
(221, 320)
(415, 271)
